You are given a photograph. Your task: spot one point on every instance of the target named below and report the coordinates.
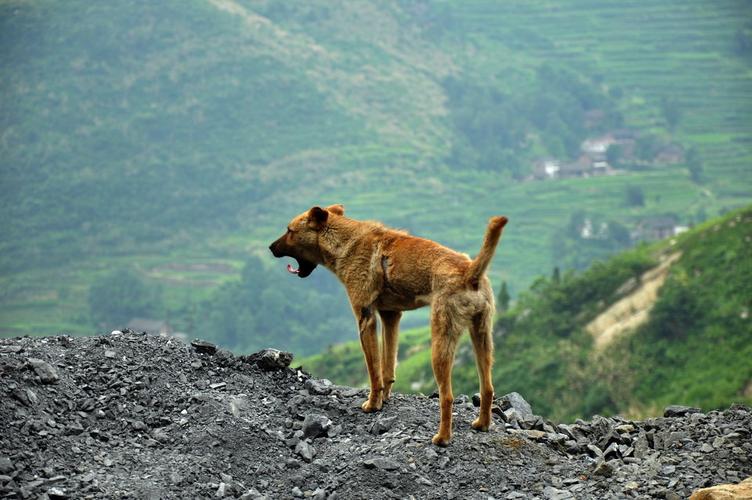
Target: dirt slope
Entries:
(632, 310)
(131, 416)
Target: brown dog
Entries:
(389, 271)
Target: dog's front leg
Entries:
(370, 344)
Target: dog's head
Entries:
(301, 241)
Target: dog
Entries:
(388, 271)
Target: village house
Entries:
(670, 154)
(593, 159)
(546, 168)
(657, 228)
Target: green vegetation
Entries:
(175, 139)
(122, 295)
(261, 311)
(501, 132)
(694, 348)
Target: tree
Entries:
(556, 276)
(694, 165)
(646, 147)
(635, 197)
(671, 112)
(502, 300)
(614, 155)
(122, 295)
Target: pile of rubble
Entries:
(150, 417)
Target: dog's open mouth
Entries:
(304, 269)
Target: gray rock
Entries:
(516, 401)
(511, 416)
(297, 493)
(138, 425)
(221, 490)
(603, 469)
(239, 404)
(680, 411)
(315, 425)
(595, 451)
(252, 494)
(380, 463)
(476, 399)
(45, 371)
(272, 359)
(382, 425)
(305, 450)
(6, 466)
(56, 493)
(320, 387)
(204, 347)
(551, 493)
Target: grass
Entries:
(330, 112)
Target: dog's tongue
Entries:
(292, 270)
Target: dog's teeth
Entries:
(292, 270)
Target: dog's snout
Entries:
(274, 248)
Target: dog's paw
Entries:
(479, 425)
(440, 440)
(369, 407)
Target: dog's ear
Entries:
(336, 209)
(317, 217)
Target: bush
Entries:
(122, 295)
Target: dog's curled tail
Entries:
(479, 265)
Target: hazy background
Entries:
(150, 151)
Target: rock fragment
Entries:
(319, 387)
(45, 371)
(204, 347)
(382, 424)
(238, 404)
(272, 359)
(380, 463)
(516, 401)
(305, 450)
(315, 425)
(679, 411)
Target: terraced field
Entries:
(195, 140)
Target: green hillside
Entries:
(173, 140)
(693, 349)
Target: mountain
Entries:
(171, 140)
(668, 322)
(130, 415)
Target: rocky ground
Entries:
(133, 416)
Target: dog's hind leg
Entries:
(370, 344)
(389, 341)
(481, 335)
(444, 336)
